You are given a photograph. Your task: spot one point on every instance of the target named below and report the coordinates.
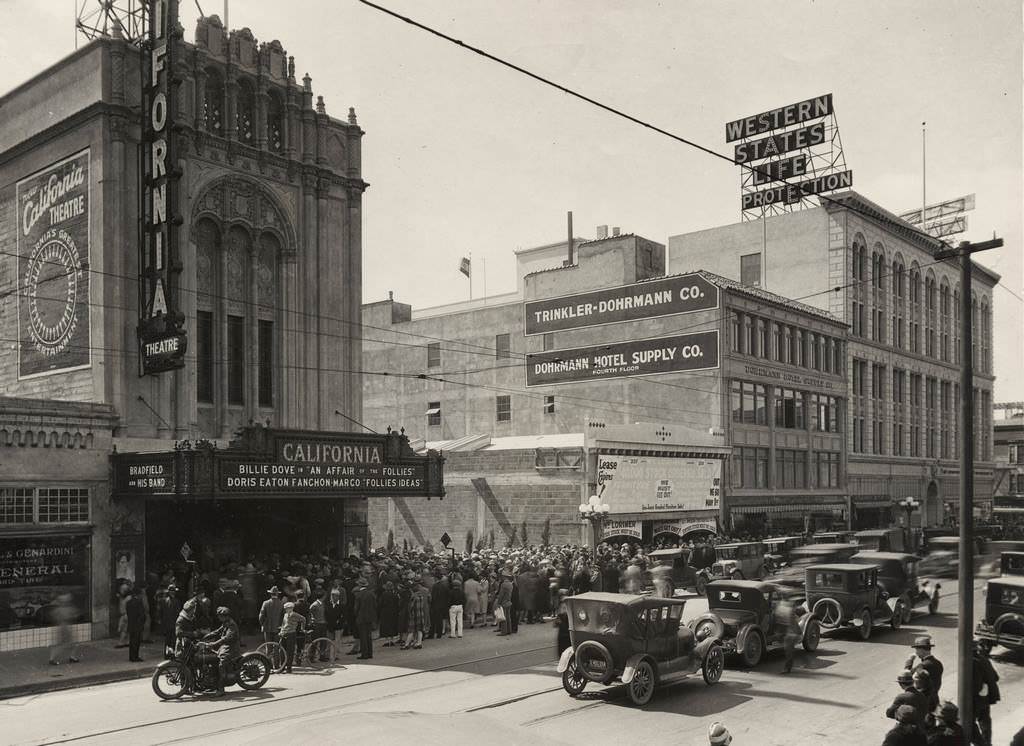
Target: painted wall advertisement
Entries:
(645, 357)
(653, 484)
(53, 259)
(41, 577)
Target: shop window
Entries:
(503, 408)
(434, 413)
(16, 505)
(750, 269)
(502, 346)
(63, 505)
(750, 468)
(549, 404)
(749, 403)
(789, 409)
(266, 363)
(790, 469)
(433, 354)
(236, 360)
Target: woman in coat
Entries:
(419, 614)
(471, 589)
(404, 598)
(387, 611)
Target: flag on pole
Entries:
(464, 267)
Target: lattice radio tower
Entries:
(98, 18)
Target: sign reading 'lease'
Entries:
(641, 300)
(683, 352)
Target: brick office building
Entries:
(270, 245)
(523, 449)
(876, 273)
(1008, 496)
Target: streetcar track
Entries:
(288, 698)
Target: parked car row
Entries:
(1003, 623)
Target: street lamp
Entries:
(909, 504)
(594, 511)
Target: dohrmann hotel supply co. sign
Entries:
(639, 300)
(682, 352)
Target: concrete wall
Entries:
(487, 491)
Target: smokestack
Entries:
(615, 231)
(602, 232)
(570, 261)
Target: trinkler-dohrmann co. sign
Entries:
(639, 300)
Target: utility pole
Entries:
(965, 584)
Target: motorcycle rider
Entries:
(185, 627)
(225, 642)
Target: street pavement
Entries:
(497, 690)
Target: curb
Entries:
(56, 685)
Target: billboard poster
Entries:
(640, 300)
(612, 527)
(656, 484)
(53, 258)
(682, 352)
(37, 573)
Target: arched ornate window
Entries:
(213, 103)
(879, 319)
(944, 316)
(275, 124)
(985, 364)
(208, 247)
(956, 324)
(266, 309)
(245, 113)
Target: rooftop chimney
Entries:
(615, 231)
(602, 232)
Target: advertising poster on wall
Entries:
(612, 528)
(653, 484)
(53, 259)
(39, 573)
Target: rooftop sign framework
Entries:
(788, 155)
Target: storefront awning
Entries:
(872, 501)
(791, 509)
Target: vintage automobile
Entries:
(881, 540)
(845, 595)
(777, 549)
(832, 537)
(939, 564)
(742, 614)
(1011, 563)
(1004, 614)
(740, 561)
(681, 575)
(898, 578)
(800, 558)
(637, 640)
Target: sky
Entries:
(463, 155)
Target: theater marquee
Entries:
(639, 300)
(682, 352)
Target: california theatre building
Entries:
(661, 394)
(249, 269)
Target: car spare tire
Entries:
(595, 661)
(828, 612)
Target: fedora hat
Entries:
(274, 590)
(924, 641)
(949, 711)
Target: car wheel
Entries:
(573, 680)
(714, 664)
(933, 605)
(827, 610)
(812, 636)
(897, 616)
(641, 686)
(753, 649)
(594, 661)
(865, 624)
(702, 585)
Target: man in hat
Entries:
(718, 735)
(335, 614)
(366, 618)
(170, 607)
(986, 694)
(924, 660)
(907, 731)
(291, 623)
(271, 613)
(909, 696)
(503, 601)
(947, 731)
(224, 641)
(135, 611)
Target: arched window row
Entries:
(259, 121)
(236, 339)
